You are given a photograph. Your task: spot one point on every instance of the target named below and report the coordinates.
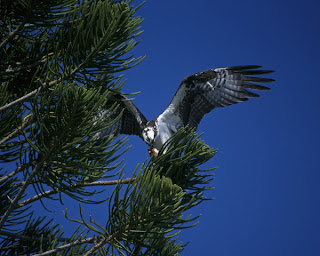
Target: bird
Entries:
(197, 95)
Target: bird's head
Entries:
(150, 132)
(149, 135)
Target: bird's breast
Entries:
(165, 131)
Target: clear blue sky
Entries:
(267, 184)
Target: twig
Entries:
(34, 92)
(93, 239)
(79, 185)
(98, 245)
(66, 246)
(22, 99)
(23, 182)
(109, 238)
(24, 124)
(13, 33)
(45, 85)
(105, 182)
(10, 70)
(14, 202)
(19, 169)
(30, 238)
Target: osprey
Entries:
(196, 96)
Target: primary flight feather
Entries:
(196, 96)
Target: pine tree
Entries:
(60, 66)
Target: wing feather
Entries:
(129, 119)
(200, 93)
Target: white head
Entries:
(150, 132)
(148, 135)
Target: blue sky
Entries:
(267, 184)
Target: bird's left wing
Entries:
(200, 93)
(131, 121)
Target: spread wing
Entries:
(130, 120)
(200, 93)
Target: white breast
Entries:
(168, 124)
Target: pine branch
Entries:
(13, 33)
(111, 237)
(79, 185)
(88, 42)
(14, 202)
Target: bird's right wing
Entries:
(200, 93)
(131, 121)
